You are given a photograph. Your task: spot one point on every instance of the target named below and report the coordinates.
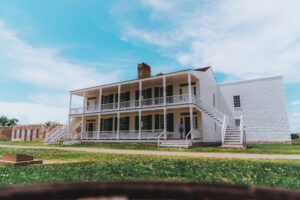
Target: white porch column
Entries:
(70, 106)
(140, 93)
(100, 99)
(140, 124)
(118, 125)
(84, 102)
(82, 127)
(119, 95)
(99, 126)
(164, 90)
(191, 121)
(190, 87)
(165, 123)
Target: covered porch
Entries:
(139, 126)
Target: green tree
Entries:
(47, 124)
(4, 121)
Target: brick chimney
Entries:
(144, 70)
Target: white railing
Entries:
(151, 102)
(109, 106)
(151, 134)
(76, 111)
(91, 109)
(123, 135)
(57, 133)
(177, 99)
(129, 104)
(223, 131)
(241, 130)
(187, 137)
(164, 133)
(215, 112)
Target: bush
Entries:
(294, 136)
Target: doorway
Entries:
(187, 126)
(90, 129)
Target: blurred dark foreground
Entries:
(143, 190)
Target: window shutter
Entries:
(110, 124)
(101, 125)
(169, 90)
(170, 122)
(136, 122)
(137, 93)
(116, 123)
(149, 93)
(127, 96)
(150, 122)
(111, 98)
(156, 92)
(156, 122)
(127, 123)
(116, 97)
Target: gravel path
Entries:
(165, 153)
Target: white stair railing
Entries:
(164, 133)
(57, 133)
(241, 130)
(186, 138)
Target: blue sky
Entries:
(50, 47)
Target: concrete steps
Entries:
(175, 143)
(232, 138)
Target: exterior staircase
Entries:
(59, 133)
(233, 138)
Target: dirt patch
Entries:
(57, 161)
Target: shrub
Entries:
(294, 136)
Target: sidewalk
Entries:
(164, 153)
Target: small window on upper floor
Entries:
(237, 101)
(195, 91)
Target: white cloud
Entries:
(246, 39)
(43, 66)
(296, 102)
(44, 69)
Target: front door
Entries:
(187, 125)
(90, 129)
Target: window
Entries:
(25, 136)
(195, 91)
(31, 134)
(237, 122)
(15, 134)
(196, 123)
(237, 101)
(147, 122)
(107, 124)
(20, 133)
(180, 93)
(124, 123)
(37, 133)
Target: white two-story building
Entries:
(151, 109)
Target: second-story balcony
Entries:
(134, 104)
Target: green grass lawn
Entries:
(293, 149)
(98, 166)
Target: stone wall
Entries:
(31, 132)
(5, 133)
